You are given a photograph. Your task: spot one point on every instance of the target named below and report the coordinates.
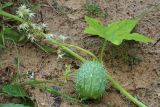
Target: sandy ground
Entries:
(140, 77)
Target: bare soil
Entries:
(140, 77)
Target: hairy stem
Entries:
(10, 16)
(124, 92)
(66, 49)
(102, 51)
(84, 50)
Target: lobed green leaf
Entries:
(95, 27)
(116, 32)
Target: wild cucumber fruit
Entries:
(91, 80)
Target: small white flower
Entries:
(22, 11)
(39, 27)
(22, 7)
(49, 36)
(36, 26)
(32, 75)
(60, 56)
(32, 39)
(31, 15)
(44, 25)
(62, 37)
(29, 36)
(23, 26)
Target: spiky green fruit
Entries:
(91, 80)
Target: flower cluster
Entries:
(24, 12)
(33, 30)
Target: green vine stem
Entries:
(68, 50)
(116, 84)
(84, 50)
(124, 92)
(102, 51)
(8, 15)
